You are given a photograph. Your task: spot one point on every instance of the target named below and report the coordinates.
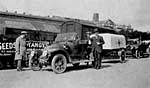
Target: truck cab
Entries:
(67, 48)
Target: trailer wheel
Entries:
(137, 54)
(59, 63)
(122, 56)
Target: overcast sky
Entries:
(134, 12)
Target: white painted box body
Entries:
(113, 41)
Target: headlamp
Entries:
(32, 53)
(44, 53)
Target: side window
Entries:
(77, 37)
(70, 28)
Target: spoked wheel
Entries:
(59, 63)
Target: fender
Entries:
(56, 48)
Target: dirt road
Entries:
(132, 74)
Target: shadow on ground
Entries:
(84, 67)
(78, 68)
(113, 61)
(7, 68)
(72, 68)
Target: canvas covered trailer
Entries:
(113, 41)
(114, 46)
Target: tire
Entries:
(76, 65)
(137, 54)
(36, 66)
(122, 56)
(1, 65)
(11, 62)
(59, 63)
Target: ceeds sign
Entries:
(6, 45)
(8, 48)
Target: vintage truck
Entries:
(71, 46)
(67, 48)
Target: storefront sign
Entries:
(36, 44)
(8, 48)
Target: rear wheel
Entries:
(137, 54)
(122, 56)
(59, 63)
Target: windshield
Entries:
(133, 41)
(65, 37)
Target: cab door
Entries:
(77, 48)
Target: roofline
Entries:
(92, 25)
(29, 16)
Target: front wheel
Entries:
(59, 63)
(36, 65)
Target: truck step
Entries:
(81, 61)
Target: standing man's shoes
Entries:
(19, 69)
(97, 68)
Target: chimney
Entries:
(96, 17)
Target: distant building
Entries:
(109, 24)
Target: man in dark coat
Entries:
(97, 47)
(20, 46)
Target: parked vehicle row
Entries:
(137, 48)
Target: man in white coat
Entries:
(20, 46)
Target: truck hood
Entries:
(55, 46)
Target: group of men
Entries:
(95, 42)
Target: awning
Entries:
(46, 27)
(51, 28)
(19, 25)
(39, 26)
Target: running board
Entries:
(81, 61)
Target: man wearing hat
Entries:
(97, 46)
(20, 46)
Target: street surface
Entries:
(135, 73)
